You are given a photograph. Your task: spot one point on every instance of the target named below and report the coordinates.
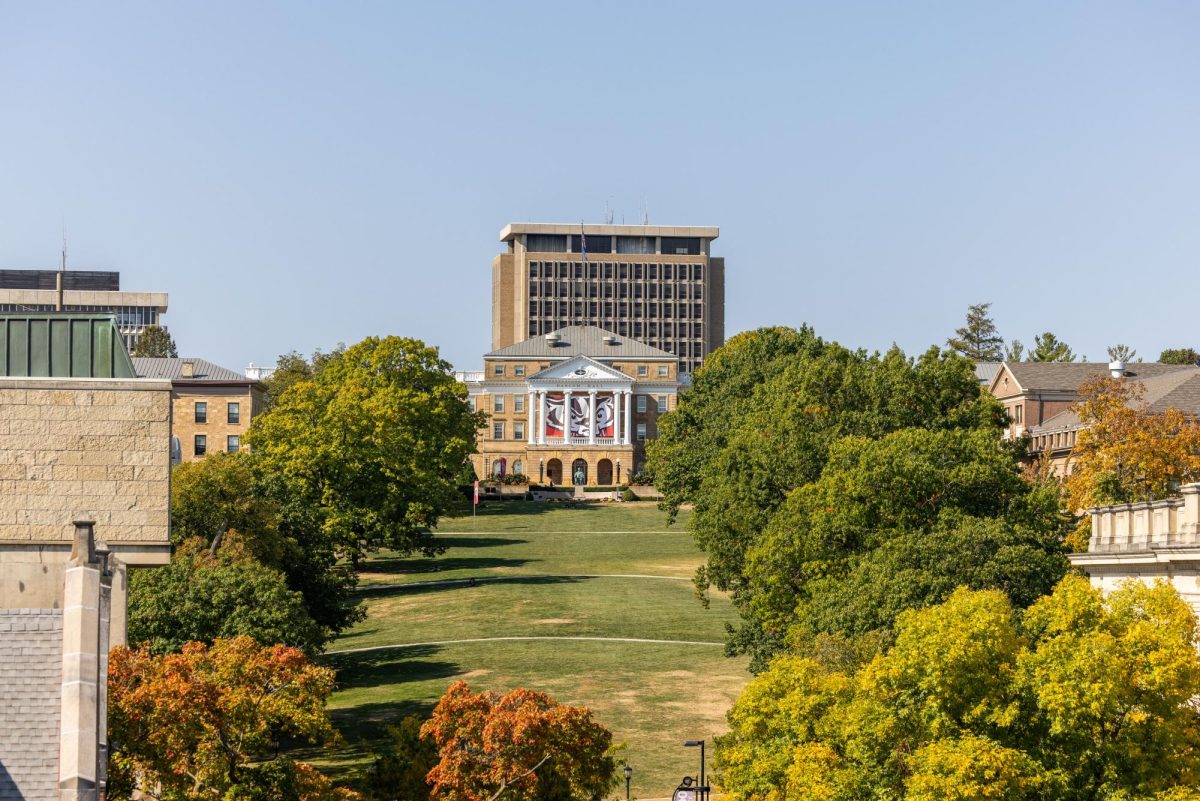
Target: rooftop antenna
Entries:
(608, 215)
(646, 212)
(63, 268)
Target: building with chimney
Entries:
(659, 285)
(84, 498)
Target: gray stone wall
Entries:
(30, 703)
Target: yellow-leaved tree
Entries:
(1126, 452)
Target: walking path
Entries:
(517, 577)
(514, 639)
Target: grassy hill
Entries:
(500, 608)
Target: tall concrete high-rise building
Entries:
(654, 283)
(37, 291)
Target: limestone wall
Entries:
(93, 448)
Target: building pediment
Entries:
(579, 369)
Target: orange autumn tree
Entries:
(1125, 452)
(523, 746)
(201, 724)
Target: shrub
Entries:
(629, 495)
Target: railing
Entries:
(579, 441)
(468, 376)
(1150, 524)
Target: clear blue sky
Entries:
(300, 174)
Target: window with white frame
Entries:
(641, 432)
(497, 430)
(518, 431)
(518, 403)
(662, 403)
(519, 369)
(497, 403)
(643, 370)
(641, 404)
(663, 370)
(498, 369)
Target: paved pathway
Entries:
(513, 639)
(516, 577)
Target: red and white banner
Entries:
(580, 408)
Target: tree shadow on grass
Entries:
(431, 567)
(393, 590)
(494, 509)
(389, 666)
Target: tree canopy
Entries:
(523, 745)
(1121, 353)
(1078, 698)
(978, 340)
(155, 341)
(1049, 348)
(799, 457)
(1179, 356)
(372, 443)
(200, 724)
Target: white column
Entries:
(541, 433)
(567, 416)
(616, 396)
(592, 417)
(628, 417)
(532, 417)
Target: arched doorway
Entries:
(579, 471)
(554, 471)
(604, 472)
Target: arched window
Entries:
(516, 467)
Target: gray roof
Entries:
(986, 372)
(581, 340)
(173, 370)
(31, 677)
(1068, 376)
(1178, 389)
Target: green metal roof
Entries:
(62, 345)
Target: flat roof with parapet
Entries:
(510, 231)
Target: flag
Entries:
(583, 242)
(476, 492)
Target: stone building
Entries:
(211, 407)
(574, 406)
(1147, 541)
(84, 497)
(656, 284)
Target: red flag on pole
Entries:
(476, 492)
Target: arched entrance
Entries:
(579, 471)
(554, 471)
(604, 472)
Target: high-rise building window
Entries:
(233, 443)
(201, 412)
(233, 413)
(200, 445)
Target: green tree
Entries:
(155, 341)
(1014, 352)
(399, 773)
(1121, 353)
(372, 444)
(1048, 348)
(1179, 356)
(1079, 698)
(978, 340)
(203, 597)
(232, 492)
(896, 523)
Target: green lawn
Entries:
(545, 571)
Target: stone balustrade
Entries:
(1133, 527)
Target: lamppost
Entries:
(702, 790)
(541, 470)
(618, 471)
(628, 776)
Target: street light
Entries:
(628, 776)
(541, 470)
(618, 471)
(702, 790)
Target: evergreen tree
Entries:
(1179, 356)
(1049, 348)
(978, 339)
(156, 342)
(1015, 352)
(1121, 353)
